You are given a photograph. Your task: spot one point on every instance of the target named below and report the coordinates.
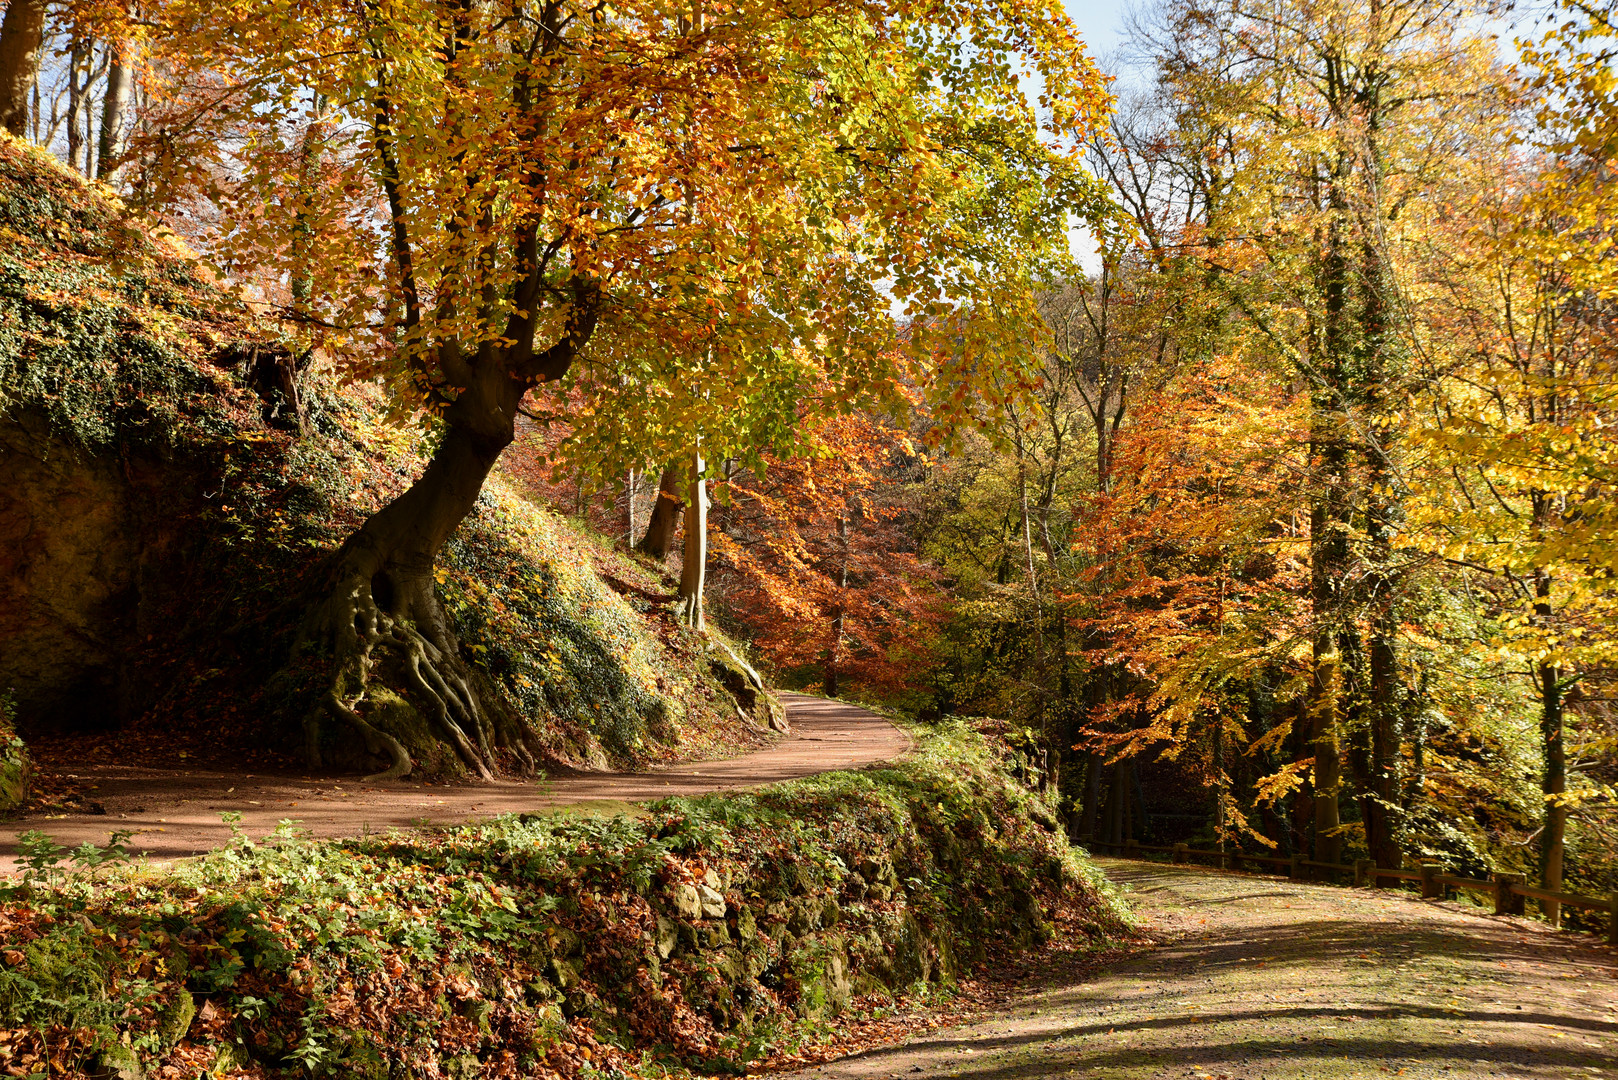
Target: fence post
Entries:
(1507, 902)
(1295, 869)
(1430, 887)
(1179, 853)
(1364, 873)
(1130, 848)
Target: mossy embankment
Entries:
(703, 934)
(177, 479)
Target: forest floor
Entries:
(175, 812)
(1262, 979)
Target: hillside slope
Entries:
(176, 478)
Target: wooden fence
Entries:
(1508, 891)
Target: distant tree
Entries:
(816, 560)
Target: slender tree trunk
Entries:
(629, 509)
(694, 562)
(1553, 782)
(1303, 803)
(1219, 780)
(1416, 734)
(665, 517)
(22, 37)
(78, 62)
(834, 649)
(115, 109)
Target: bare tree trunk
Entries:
(383, 594)
(77, 102)
(378, 604)
(694, 563)
(1553, 782)
(115, 109)
(665, 517)
(834, 650)
(629, 509)
(22, 37)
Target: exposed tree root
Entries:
(373, 616)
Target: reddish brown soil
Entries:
(1263, 979)
(176, 812)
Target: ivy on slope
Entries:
(114, 340)
(707, 933)
(103, 329)
(530, 607)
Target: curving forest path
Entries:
(1260, 979)
(175, 812)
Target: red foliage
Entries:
(812, 555)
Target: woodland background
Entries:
(1289, 525)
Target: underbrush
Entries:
(704, 934)
(16, 769)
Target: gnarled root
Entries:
(409, 627)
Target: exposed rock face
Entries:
(91, 546)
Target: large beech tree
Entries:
(478, 194)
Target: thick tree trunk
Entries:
(694, 560)
(1381, 786)
(380, 607)
(665, 519)
(1383, 797)
(22, 37)
(114, 109)
(1090, 805)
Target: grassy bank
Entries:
(702, 934)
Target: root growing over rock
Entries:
(387, 616)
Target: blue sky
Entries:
(1099, 21)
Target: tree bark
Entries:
(1553, 781)
(694, 560)
(114, 109)
(1328, 534)
(1091, 804)
(834, 649)
(629, 508)
(22, 37)
(379, 599)
(665, 517)
(78, 60)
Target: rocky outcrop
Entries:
(92, 548)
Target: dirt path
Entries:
(176, 813)
(1261, 979)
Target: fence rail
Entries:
(1507, 890)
